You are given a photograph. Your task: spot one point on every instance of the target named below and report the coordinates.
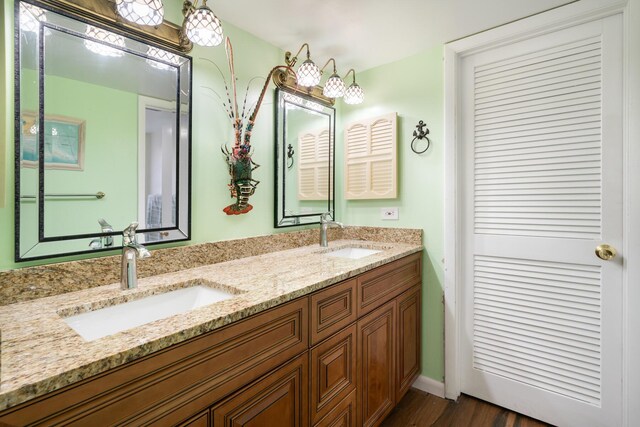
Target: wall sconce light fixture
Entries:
(308, 73)
(354, 93)
(142, 12)
(306, 81)
(201, 26)
(334, 86)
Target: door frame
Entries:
(552, 20)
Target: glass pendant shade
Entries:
(143, 12)
(308, 74)
(105, 37)
(203, 27)
(334, 87)
(354, 94)
(30, 17)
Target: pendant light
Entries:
(354, 93)
(142, 12)
(202, 26)
(334, 86)
(308, 73)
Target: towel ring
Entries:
(419, 134)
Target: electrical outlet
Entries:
(389, 213)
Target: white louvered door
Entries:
(542, 188)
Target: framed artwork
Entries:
(63, 142)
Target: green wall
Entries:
(109, 152)
(413, 88)
(211, 129)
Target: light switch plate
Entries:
(389, 213)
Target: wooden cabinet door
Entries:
(333, 372)
(281, 399)
(343, 415)
(408, 340)
(376, 355)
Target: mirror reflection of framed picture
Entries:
(63, 142)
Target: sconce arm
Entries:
(354, 74)
(325, 65)
(292, 61)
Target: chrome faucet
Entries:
(325, 223)
(103, 242)
(131, 250)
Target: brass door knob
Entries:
(606, 252)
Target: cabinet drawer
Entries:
(384, 283)
(343, 415)
(200, 420)
(279, 399)
(171, 385)
(332, 309)
(333, 372)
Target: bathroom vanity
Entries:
(307, 339)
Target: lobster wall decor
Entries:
(238, 158)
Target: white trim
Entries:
(145, 102)
(429, 385)
(631, 251)
(451, 227)
(572, 14)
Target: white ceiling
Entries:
(366, 33)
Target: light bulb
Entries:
(334, 87)
(354, 94)
(143, 12)
(203, 27)
(308, 74)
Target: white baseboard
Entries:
(429, 385)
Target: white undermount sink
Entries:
(110, 320)
(352, 253)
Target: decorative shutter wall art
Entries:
(315, 178)
(371, 158)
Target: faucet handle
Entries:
(129, 234)
(325, 217)
(105, 225)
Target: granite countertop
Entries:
(39, 353)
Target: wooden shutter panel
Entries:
(315, 177)
(371, 158)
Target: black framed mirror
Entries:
(305, 161)
(102, 136)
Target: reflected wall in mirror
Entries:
(102, 136)
(305, 164)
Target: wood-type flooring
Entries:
(419, 409)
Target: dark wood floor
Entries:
(422, 409)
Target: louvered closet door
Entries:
(542, 188)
